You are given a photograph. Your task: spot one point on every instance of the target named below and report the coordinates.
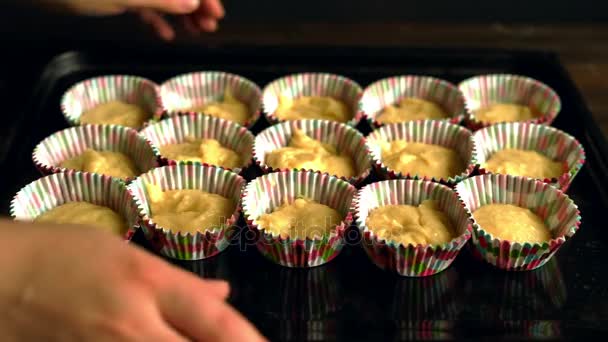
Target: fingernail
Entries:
(191, 5)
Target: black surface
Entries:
(350, 298)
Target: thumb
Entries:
(168, 6)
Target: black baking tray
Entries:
(350, 298)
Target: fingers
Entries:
(204, 318)
(207, 24)
(212, 8)
(167, 6)
(158, 23)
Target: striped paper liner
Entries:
(410, 260)
(434, 132)
(197, 88)
(345, 138)
(54, 190)
(89, 93)
(185, 245)
(554, 207)
(313, 84)
(176, 129)
(548, 141)
(71, 142)
(482, 91)
(266, 193)
(391, 90)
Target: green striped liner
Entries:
(391, 90)
(54, 190)
(434, 132)
(91, 92)
(554, 207)
(410, 260)
(197, 88)
(313, 84)
(71, 142)
(548, 141)
(345, 138)
(266, 193)
(180, 245)
(484, 90)
(176, 129)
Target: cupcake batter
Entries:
(208, 151)
(313, 107)
(512, 223)
(524, 163)
(116, 113)
(304, 152)
(304, 218)
(410, 109)
(422, 159)
(505, 112)
(188, 210)
(425, 224)
(230, 109)
(85, 213)
(109, 163)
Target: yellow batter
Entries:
(313, 107)
(422, 159)
(230, 109)
(512, 223)
(303, 152)
(301, 219)
(410, 109)
(425, 224)
(109, 163)
(116, 113)
(208, 151)
(524, 163)
(505, 112)
(85, 213)
(188, 210)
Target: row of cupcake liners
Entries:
(267, 192)
(177, 95)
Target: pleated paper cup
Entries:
(548, 141)
(54, 190)
(185, 245)
(186, 91)
(176, 129)
(346, 139)
(389, 91)
(482, 91)
(92, 92)
(411, 260)
(434, 132)
(71, 142)
(313, 84)
(554, 207)
(266, 193)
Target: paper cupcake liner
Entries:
(425, 330)
(197, 88)
(185, 245)
(52, 191)
(388, 91)
(177, 128)
(71, 142)
(89, 93)
(313, 84)
(266, 193)
(345, 138)
(410, 260)
(554, 207)
(434, 132)
(481, 91)
(548, 141)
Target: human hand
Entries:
(72, 283)
(197, 15)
